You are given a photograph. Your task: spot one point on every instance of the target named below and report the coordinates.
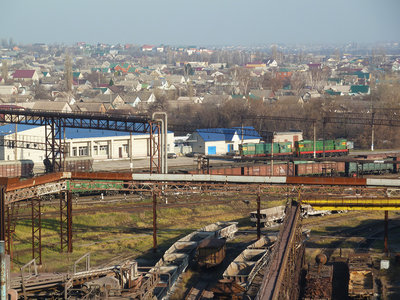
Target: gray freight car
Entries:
(270, 216)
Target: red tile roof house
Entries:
(24, 75)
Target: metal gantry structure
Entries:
(56, 122)
(346, 193)
(349, 193)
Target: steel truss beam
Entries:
(36, 230)
(102, 121)
(66, 221)
(57, 121)
(290, 283)
(24, 144)
(37, 191)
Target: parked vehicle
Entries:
(172, 155)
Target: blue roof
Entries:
(226, 134)
(70, 133)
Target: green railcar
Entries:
(352, 168)
(340, 144)
(285, 147)
(248, 149)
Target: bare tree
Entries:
(4, 70)
(68, 73)
(298, 81)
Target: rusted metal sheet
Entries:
(326, 181)
(16, 183)
(318, 283)
(102, 175)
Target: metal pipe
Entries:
(3, 277)
(165, 145)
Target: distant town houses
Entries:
(140, 77)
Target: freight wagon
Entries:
(377, 167)
(19, 168)
(318, 283)
(361, 280)
(79, 164)
(269, 216)
(210, 252)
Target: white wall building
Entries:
(219, 141)
(98, 144)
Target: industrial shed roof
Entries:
(226, 134)
(70, 133)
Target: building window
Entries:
(95, 150)
(27, 146)
(83, 151)
(125, 146)
(74, 152)
(103, 150)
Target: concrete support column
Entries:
(110, 149)
(70, 149)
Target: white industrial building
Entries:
(98, 144)
(219, 141)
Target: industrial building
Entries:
(98, 144)
(219, 141)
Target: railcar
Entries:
(19, 168)
(305, 148)
(210, 252)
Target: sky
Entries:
(205, 22)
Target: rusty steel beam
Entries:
(66, 221)
(2, 214)
(154, 222)
(258, 217)
(386, 233)
(36, 230)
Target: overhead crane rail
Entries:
(101, 121)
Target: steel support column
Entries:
(36, 230)
(258, 217)
(386, 237)
(66, 221)
(154, 221)
(2, 214)
(155, 148)
(53, 148)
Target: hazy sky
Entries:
(203, 22)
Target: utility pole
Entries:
(372, 131)
(154, 221)
(315, 139)
(258, 216)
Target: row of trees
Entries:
(385, 101)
